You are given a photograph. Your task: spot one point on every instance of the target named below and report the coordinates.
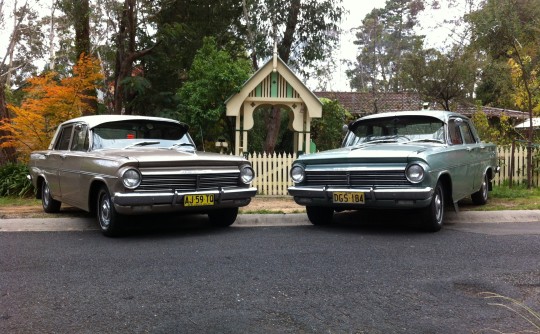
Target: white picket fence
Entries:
(273, 179)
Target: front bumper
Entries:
(136, 203)
(374, 197)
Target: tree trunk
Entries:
(7, 154)
(284, 50)
(273, 122)
(82, 46)
(126, 56)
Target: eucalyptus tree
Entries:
(507, 31)
(445, 78)
(181, 26)
(384, 38)
(306, 32)
(19, 22)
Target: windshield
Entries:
(139, 133)
(395, 129)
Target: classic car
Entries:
(116, 166)
(419, 160)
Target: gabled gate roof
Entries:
(273, 83)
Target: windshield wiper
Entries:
(440, 141)
(143, 143)
(181, 145)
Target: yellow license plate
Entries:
(348, 197)
(199, 200)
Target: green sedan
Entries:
(421, 160)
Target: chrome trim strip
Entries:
(374, 193)
(135, 199)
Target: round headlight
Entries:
(247, 174)
(131, 178)
(415, 173)
(297, 174)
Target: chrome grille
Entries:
(367, 178)
(187, 182)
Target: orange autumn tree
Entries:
(49, 101)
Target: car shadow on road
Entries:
(168, 225)
(378, 221)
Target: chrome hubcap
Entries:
(46, 194)
(438, 206)
(104, 212)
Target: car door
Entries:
(53, 159)
(459, 159)
(72, 167)
(476, 151)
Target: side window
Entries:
(63, 140)
(454, 133)
(467, 134)
(80, 138)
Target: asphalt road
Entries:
(384, 277)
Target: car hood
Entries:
(381, 152)
(171, 157)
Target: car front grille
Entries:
(187, 182)
(367, 178)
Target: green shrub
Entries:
(13, 181)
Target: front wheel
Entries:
(320, 215)
(49, 204)
(481, 196)
(109, 220)
(434, 213)
(223, 217)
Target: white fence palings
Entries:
(273, 179)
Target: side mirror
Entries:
(345, 128)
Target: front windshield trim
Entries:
(396, 128)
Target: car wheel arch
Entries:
(446, 182)
(93, 194)
(39, 182)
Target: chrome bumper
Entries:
(374, 197)
(133, 203)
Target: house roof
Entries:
(361, 104)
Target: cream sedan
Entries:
(116, 166)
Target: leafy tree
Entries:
(50, 100)
(327, 131)
(181, 26)
(497, 130)
(446, 79)
(507, 31)
(79, 14)
(385, 37)
(24, 45)
(306, 33)
(213, 77)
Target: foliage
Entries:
(496, 130)
(306, 31)
(213, 77)
(13, 180)
(444, 78)
(495, 85)
(50, 100)
(327, 131)
(181, 26)
(257, 135)
(384, 38)
(524, 75)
